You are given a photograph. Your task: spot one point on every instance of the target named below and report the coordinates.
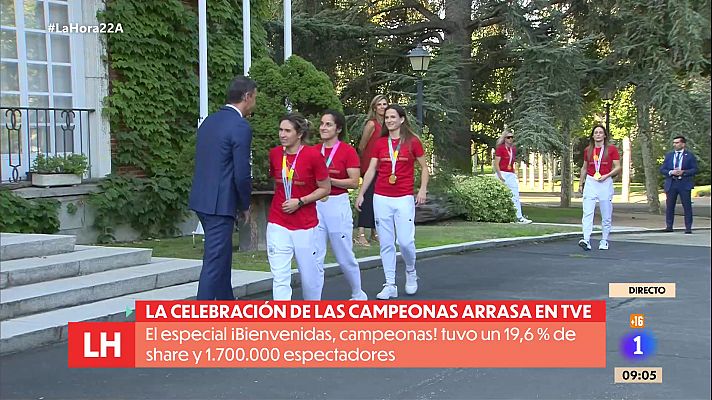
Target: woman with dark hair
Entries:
(334, 211)
(371, 134)
(503, 166)
(601, 162)
(394, 157)
(301, 179)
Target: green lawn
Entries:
(554, 215)
(449, 232)
(701, 191)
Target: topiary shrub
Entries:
(481, 198)
(309, 92)
(20, 215)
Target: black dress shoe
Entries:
(667, 230)
(688, 232)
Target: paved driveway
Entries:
(556, 270)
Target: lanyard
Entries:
(333, 151)
(393, 154)
(288, 174)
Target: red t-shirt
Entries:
(366, 154)
(405, 166)
(310, 168)
(606, 163)
(345, 157)
(505, 163)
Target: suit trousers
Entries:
(671, 200)
(366, 218)
(282, 245)
(336, 226)
(603, 193)
(395, 217)
(215, 276)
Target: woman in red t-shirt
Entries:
(301, 179)
(371, 134)
(334, 211)
(503, 165)
(394, 158)
(601, 162)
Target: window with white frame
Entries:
(39, 69)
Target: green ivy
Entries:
(20, 215)
(154, 100)
(152, 206)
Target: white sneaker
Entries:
(584, 244)
(524, 221)
(388, 292)
(361, 296)
(603, 245)
(411, 282)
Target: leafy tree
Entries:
(296, 82)
(657, 47)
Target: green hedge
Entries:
(20, 215)
(480, 198)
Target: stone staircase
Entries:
(47, 281)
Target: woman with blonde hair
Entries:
(395, 156)
(371, 134)
(503, 167)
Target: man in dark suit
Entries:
(679, 168)
(222, 184)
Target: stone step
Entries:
(22, 245)
(67, 292)
(27, 332)
(83, 261)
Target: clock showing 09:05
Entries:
(637, 345)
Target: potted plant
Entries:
(60, 170)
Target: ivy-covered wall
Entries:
(153, 103)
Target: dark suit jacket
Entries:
(222, 181)
(689, 169)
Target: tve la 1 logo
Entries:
(101, 345)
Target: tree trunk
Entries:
(551, 162)
(642, 105)
(566, 183)
(459, 151)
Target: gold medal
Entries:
(392, 179)
(597, 176)
(325, 198)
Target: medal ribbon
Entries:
(393, 154)
(288, 174)
(597, 160)
(510, 151)
(333, 151)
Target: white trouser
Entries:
(395, 217)
(336, 225)
(603, 193)
(510, 179)
(281, 245)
